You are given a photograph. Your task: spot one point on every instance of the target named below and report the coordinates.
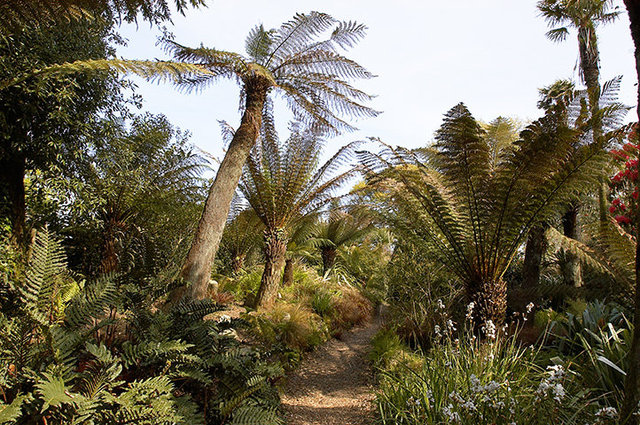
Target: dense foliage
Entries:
(506, 269)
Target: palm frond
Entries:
(155, 71)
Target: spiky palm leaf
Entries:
(585, 16)
(309, 72)
(284, 182)
(158, 71)
(472, 218)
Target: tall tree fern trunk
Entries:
(632, 383)
(197, 266)
(328, 258)
(275, 250)
(571, 269)
(109, 261)
(288, 272)
(490, 300)
(533, 253)
(12, 169)
(237, 263)
(589, 64)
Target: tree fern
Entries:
(473, 219)
(284, 183)
(302, 62)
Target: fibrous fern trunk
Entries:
(490, 299)
(328, 258)
(274, 250)
(197, 266)
(533, 253)
(632, 383)
(288, 272)
(589, 64)
(571, 269)
(237, 263)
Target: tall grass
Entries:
(495, 381)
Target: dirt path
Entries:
(333, 385)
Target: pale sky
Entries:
(428, 55)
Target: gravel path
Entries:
(333, 385)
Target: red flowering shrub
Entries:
(624, 185)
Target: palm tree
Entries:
(284, 184)
(295, 63)
(585, 16)
(341, 229)
(473, 217)
(241, 236)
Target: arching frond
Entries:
(473, 218)
(282, 181)
(150, 70)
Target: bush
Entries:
(597, 337)
(467, 381)
(67, 357)
(291, 326)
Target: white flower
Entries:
(225, 318)
(607, 412)
(530, 307)
(475, 384)
(551, 385)
(450, 414)
(470, 307)
(440, 304)
(469, 405)
(430, 396)
(456, 397)
(414, 401)
(436, 329)
(451, 326)
(491, 387)
(489, 329)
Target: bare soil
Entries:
(334, 384)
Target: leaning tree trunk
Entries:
(490, 299)
(12, 169)
(328, 258)
(274, 250)
(197, 266)
(571, 270)
(632, 383)
(533, 253)
(288, 272)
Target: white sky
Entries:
(429, 55)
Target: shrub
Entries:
(352, 309)
(323, 303)
(60, 361)
(467, 381)
(294, 327)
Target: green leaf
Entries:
(54, 392)
(10, 412)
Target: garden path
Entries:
(334, 384)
